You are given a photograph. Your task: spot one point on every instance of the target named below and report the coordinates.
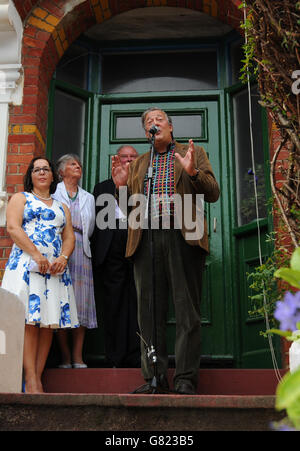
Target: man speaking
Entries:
(179, 254)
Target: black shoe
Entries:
(185, 388)
(162, 387)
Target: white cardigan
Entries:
(87, 212)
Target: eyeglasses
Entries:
(46, 169)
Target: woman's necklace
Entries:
(74, 197)
(40, 197)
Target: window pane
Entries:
(129, 127)
(246, 208)
(72, 67)
(69, 120)
(159, 72)
(186, 125)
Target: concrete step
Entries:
(100, 399)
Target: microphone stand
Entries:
(151, 348)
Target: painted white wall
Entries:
(11, 83)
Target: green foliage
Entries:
(288, 389)
(249, 67)
(288, 397)
(264, 285)
(291, 274)
(271, 55)
(295, 212)
(287, 334)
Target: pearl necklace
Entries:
(40, 197)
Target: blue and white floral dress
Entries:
(49, 299)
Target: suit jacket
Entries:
(102, 237)
(205, 184)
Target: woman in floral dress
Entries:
(37, 269)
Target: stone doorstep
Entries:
(136, 401)
(227, 400)
(128, 412)
(217, 388)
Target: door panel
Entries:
(121, 123)
(254, 347)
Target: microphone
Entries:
(153, 130)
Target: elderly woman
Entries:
(82, 207)
(37, 269)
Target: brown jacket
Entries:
(205, 184)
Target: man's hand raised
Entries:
(119, 171)
(188, 162)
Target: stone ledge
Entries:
(227, 400)
(121, 400)
(57, 412)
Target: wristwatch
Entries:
(65, 256)
(194, 177)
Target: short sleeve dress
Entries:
(49, 299)
(82, 274)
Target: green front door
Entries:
(121, 124)
(230, 336)
(94, 107)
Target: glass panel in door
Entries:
(69, 125)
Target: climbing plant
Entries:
(272, 54)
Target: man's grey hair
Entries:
(154, 108)
(62, 161)
(125, 145)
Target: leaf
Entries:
(289, 275)
(294, 413)
(288, 390)
(282, 333)
(295, 260)
(257, 297)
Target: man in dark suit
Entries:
(115, 287)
